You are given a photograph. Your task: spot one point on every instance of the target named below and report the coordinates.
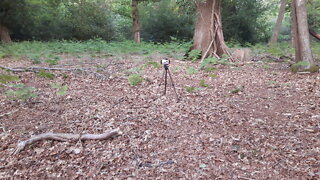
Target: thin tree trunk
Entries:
(294, 31)
(277, 28)
(4, 34)
(208, 35)
(135, 21)
(303, 49)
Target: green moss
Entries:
(301, 67)
(313, 69)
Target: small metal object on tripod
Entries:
(165, 63)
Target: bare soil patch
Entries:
(267, 129)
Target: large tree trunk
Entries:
(277, 28)
(135, 21)
(4, 34)
(208, 35)
(301, 32)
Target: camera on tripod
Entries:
(165, 62)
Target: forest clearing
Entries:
(236, 121)
(159, 89)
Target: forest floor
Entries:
(254, 120)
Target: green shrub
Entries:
(135, 79)
(194, 55)
(162, 22)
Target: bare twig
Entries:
(65, 137)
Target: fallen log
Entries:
(36, 69)
(65, 137)
(314, 34)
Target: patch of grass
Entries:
(64, 75)
(6, 78)
(190, 89)
(153, 64)
(266, 66)
(135, 79)
(236, 90)
(203, 83)
(272, 82)
(100, 67)
(21, 92)
(191, 70)
(38, 51)
(52, 62)
(61, 90)
(214, 61)
(46, 75)
(281, 49)
(136, 69)
(210, 69)
(213, 75)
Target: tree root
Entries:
(65, 137)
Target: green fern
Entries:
(22, 92)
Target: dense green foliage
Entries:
(163, 21)
(244, 22)
(241, 21)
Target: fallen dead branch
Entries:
(9, 113)
(65, 137)
(36, 69)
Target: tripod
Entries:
(165, 76)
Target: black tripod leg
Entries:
(162, 78)
(174, 88)
(165, 81)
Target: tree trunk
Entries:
(302, 39)
(208, 35)
(294, 31)
(4, 34)
(135, 21)
(277, 28)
